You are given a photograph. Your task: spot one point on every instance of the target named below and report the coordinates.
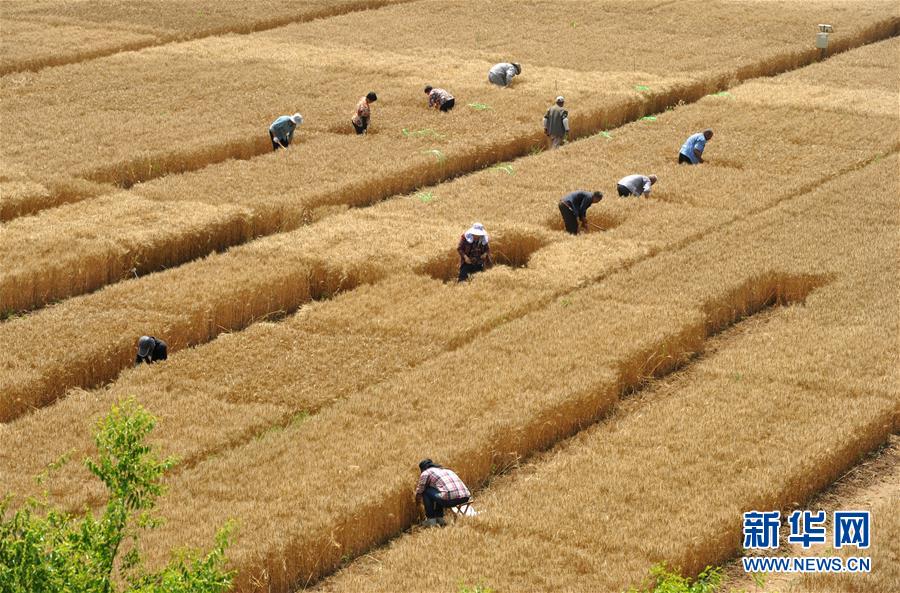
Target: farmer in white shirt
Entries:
(635, 185)
(502, 74)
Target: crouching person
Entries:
(150, 350)
(439, 488)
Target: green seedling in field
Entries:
(648, 118)
(479, 106)
(505, 167)
(425, 196)
(641, 88)
(426, 133)
(721, 94)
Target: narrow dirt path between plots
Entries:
(871, 483)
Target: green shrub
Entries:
(45, 550)
(666, 581)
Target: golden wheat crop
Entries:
(72, 32)
(305, 423)
(280, 200)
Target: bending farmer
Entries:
(574, 206)
(281, 131)
(439, 488)
(474, 251)
(439, 99)
(360, 119)
(150, 350)
(635, 185)
(502, 74)
(692, 150)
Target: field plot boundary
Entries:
(760, 295)
(154, 166)
(236, 29)
(97, 377)
(646, 365)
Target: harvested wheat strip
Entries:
(20, 197)
(100, 31)
(87, 258)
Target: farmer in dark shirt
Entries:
(574, 206)
(474, 251)
(150, 350)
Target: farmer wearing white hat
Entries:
(502, 74)
(281, 132)
(635, 185)
(474, 251)
(150, 350)
(556, 123)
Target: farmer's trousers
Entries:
(466, 269)
(435, 505)
(569, 218)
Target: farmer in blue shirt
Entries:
(692, 150)
(282, 129)
(574, 206)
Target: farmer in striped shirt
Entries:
(439, 99)
(439, 488)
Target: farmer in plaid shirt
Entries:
(439, 99)
(439, 488)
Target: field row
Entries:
(233, 289)
(73, 32)
(307, 499)
(635, 328)
(243, 200)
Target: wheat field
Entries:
(614, 399)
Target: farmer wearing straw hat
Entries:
(574, 206)
(439, 488)
(439, 99)
(502, 74)
(474, 251)
(281, 131)
(150, 350)
(692, 150)
(556, 123)
(360, 119)
(635, 185)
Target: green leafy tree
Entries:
(46, 550)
